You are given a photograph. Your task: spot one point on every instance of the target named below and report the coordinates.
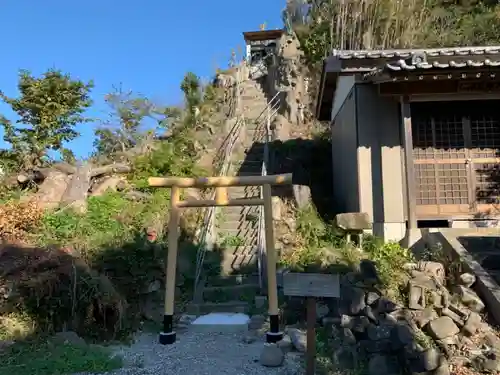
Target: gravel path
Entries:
(200, 354)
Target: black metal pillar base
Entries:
(168, 336)
(274, 335)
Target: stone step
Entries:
(255, 195)
(234, 236)
(241, 224)
(245, 190)
(239, 266)
(225, 260)
(253, 152)
(235, 210)
(230, 292)
(245, 233)
(249, 240)
(238, 279)
(253, 97)
(255, 156)
(250, 217)
(254, 147)
(253, 131)
(245, 242)
(221, 323)
(255, 112)
(251, 87)
(221, 307)
(241, 249)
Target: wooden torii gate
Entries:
(168, 336)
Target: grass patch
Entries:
(320, 247)
(43, 357)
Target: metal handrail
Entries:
(263, 122)
(223, 163)
(269, 112)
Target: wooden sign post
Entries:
(312, 286)
(221, 183)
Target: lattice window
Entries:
(485, 135)
(426, 184)
(450, 142)
(453, 186)
(438, 138)
(487, 183)
(423, 144)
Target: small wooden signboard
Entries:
(312, 286)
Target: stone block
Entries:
(353, 221)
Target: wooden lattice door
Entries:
(484, 124)
(455, 152)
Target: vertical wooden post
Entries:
(274, 334)
(221, 197)
(411, 195)
(311, 336)
(168, 336)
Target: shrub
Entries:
(17, 219)
(390, 259)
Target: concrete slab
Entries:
(221, 323)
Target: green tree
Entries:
(191, 87)
(123, 130)
(384, 24)
(48, 108)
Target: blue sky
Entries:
(146, 46)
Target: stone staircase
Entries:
(235, 284)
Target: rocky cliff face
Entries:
(288, 75)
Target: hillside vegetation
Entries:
(82, 240)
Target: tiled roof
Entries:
(443, 58)
(405, 53)
(402, 65)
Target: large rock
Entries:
(346, 357)
(380, 332)
(299, 339)
(271, 356)
(431, 359)
(424, 361)
(302, 195)
(348, 337)
(280, 128)
(472, 324)
(368, 271)
(383, 365)
(467, 279)
(359, 324)
(353, 300)
(442, 328)
(355, 221)
(371, 298)
(285, 344)
(401, 336)
(470, 299)
(276, 208)
(425, 316)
